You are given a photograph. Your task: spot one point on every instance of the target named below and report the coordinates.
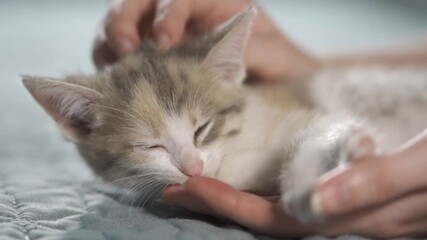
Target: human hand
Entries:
(212, 197)
(269, 54)
(393, 187)
(383, 214)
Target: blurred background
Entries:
(54, 37)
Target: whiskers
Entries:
(141, 190)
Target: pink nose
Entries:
(191, 164)
(192, 168)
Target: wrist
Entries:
(295, 62)
(276, 58)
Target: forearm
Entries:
(292, 62)
(415, 53)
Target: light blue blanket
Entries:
(47, 196)
(48, 193)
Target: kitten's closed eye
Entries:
(145, 147)
(156, 147)
(202, 131)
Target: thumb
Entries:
(368, 183)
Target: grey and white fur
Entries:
(157, 118)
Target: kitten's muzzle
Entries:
(191, 164)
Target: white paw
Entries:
(314, 158)
(298, 205)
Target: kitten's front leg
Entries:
(314, 151)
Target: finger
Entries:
(211, 14)
(102, 54)
(170, 21)
(418, 230)
(179, 196)
(373, 182)
(122, 24)
(244, 208)
(272, 199)
(405, 216)
(173, 17)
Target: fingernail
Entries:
(331, 199)
(124, 46)
(163, 41)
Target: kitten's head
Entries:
(155, 116)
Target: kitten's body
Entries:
(156, 118)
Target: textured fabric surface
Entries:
(61, 205)
(47, 192)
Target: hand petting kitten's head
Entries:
(155, 116)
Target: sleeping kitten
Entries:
(157, 118)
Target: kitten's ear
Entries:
(68, 104)
(227, 56)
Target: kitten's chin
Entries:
(175, 184)
(179, 181)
